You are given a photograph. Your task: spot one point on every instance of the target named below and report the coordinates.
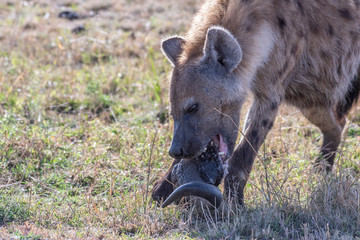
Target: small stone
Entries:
(78, 29)
(70, 15)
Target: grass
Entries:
(84, 134)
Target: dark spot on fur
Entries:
(314, 28)
(345, 13)
(301, 34)
(254, 133)
(248, 27)
(254, 137)
(253, 17)
(242, 159)
(281, 22)
(331, 30)
(274, 105)
(339, 69)
(308, 63)
(265, 122)
(324, 55)
(357, 3)
(300, 6)
(245, 1)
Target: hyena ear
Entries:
(222, 47)
(172, 48)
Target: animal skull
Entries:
(199, 177)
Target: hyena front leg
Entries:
(259, 121)
(331, 128)
(164, 187)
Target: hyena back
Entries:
(304, 53)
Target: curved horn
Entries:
(197, 189)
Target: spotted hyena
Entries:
(305, 53)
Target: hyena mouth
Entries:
(200, 176)
(218, 141)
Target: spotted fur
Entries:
(305, 53)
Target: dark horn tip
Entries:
(197, 189)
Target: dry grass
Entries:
(84, 133)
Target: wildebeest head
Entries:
(205, 95)
(198, 177)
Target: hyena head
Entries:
(206, 94)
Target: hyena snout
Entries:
(176, 150)
(182, 147)
(185, 144)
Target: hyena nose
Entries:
(176, 151)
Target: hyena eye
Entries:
(193, 108)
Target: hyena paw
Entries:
(161, 190)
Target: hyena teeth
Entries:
(225, 168)
(221, 153)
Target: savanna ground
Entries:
(84, 134)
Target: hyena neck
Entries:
(257, 53)
(248, 25)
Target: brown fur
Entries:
(305, 53)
